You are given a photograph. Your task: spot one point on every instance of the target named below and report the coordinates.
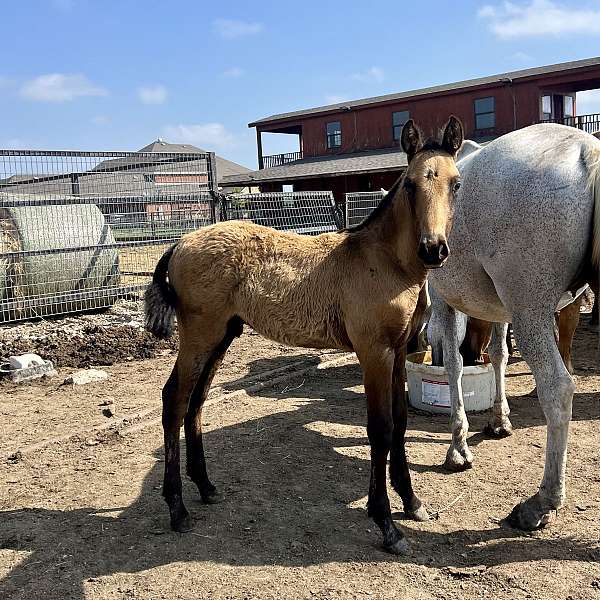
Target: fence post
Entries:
(213, 185)
(75, 184)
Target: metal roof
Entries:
(371, 161)
(449, 87)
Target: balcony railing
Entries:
(276, 160)
(589, 123)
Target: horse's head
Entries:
(430, 183)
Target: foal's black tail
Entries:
(160, 300)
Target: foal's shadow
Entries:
(290, 487)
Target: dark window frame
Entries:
(485, 113)
(397, 127)
(334, 140)
(545, 115)
(565, 115)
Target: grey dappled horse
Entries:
(526, 229)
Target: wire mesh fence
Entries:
(80, 229)
(308, 213)
(359, 206)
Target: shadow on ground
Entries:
(290, 498)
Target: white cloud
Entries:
(153, 94)
(233, 72)
(101, 120)
(336, 98)
(539, 18)
(60, 87)
(208, 135)
(372, 74)
(588, 102)
(521, 57)
(233, 28)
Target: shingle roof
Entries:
(323, 166)
(224, 167)
(536, 71)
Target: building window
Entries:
(485, 113)
(334, 135)
(569, 107)
(399, 118)
(546, 108)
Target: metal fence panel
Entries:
(80, 229)
(308, 213)
(359, 206)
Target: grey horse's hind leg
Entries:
(445, 332)
(499, 424)
(534, 331)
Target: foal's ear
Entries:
(453, 136)
(410, 139)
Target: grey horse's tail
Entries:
(591, 158)
(160, 300)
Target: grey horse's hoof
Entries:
(400, 547)
(457, 461)
(528, 516)
(499, 431)
(420, 514)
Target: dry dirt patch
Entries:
(83, 521)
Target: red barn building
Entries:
(353, 146)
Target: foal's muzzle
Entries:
(433, 253)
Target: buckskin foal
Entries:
(357, 289)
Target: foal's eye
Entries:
(456, 186)
(409, 185)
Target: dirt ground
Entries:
(83, 517)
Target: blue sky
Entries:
(108, 74)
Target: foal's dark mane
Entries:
(386, 201)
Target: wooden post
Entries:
(259, 148)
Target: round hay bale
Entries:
(81, 277)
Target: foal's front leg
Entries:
(399, 471)
(377, 365)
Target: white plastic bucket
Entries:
(428, 387)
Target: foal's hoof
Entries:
(181, 523)
(400, 547)
(420, 514)
(499, 432)
(211, 497)
(528, 516)
(457, 461)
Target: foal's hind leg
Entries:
(196, 462)
(399, 472)
(174, 396)
(534, 330)
(499, 424)
(196, 347)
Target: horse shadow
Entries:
(290, 482)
